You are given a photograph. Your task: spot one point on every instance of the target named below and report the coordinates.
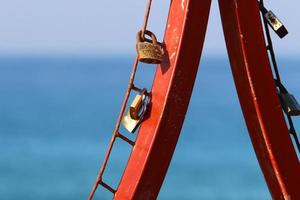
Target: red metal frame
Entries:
(258, 97)
(172, 89)
(171, 92)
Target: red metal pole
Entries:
(258, 97)
(171, 92)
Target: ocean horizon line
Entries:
(121, 55)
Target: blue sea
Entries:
(57, 114)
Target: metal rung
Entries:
(106, 186)
(125, 139)
(137, 89)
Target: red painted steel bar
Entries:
(172, 89)
(171, 92)
(259, 99)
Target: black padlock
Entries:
(289, 104)
(274, 22)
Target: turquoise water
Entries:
(57, 114)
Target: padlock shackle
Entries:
(255, 85)
(173, 86)
(138, 113)
(146, 99)
(140, 37)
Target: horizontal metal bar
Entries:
(136, 88)
(106, 186)
(125, 139)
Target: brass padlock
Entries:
(136, 107)
(129, 123)
(289, 104)
(136, 113)
(149, 51)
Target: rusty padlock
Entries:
(136, 113)
(149, 51)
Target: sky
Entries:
(108, 27)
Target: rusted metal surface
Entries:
(259, 98)
(116, 134)
(172, 89)
(154, 57)
(149, 52)
(171, 92)
(146, 18)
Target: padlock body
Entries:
(276, 24)
(129, 123)
(290, 104)
(136, 106)
(149, 52)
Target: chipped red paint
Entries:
(259, 99)
(171, 92)
(172, 89)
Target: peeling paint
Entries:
(173, 55)
(182, 4)
(287, 197)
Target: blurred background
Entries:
(64, 68)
